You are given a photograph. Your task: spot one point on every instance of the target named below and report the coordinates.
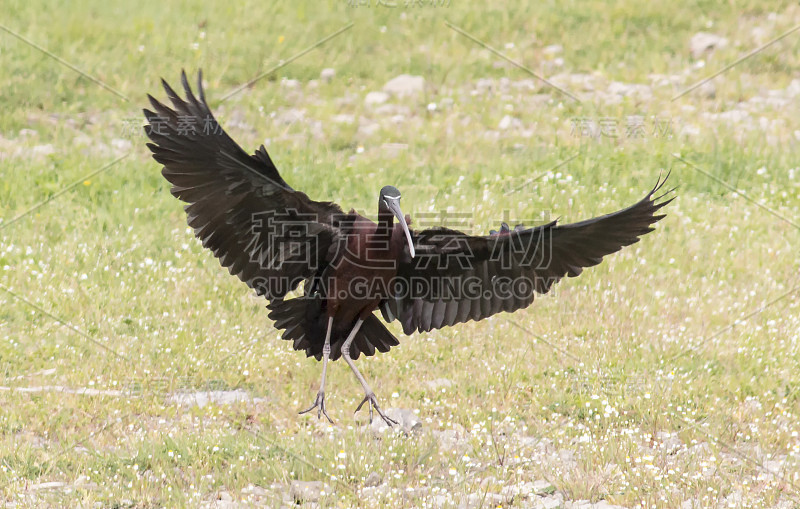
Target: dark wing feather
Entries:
(458, 277)
(263, 231)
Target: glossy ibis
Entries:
(274, 238)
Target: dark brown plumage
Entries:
(273, 237)
(534, 258)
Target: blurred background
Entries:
(136, 372)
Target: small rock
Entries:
(670, 441)
(547, 503)
(438, 383)
(629, 89)
(290, 116)
(121, 144)
(567, 456)
(773, 466)
(407, 421)
(290, 84)
(394, 149)
(735, 499)
(473, 501)
(374, 98)
(405, 84)
(760, 35)
(579, 504)
(484, 85)
(327, 74)
(703, 42)
(375, 492)
(391, 109)
(793, 90)
(308, 491)
(236, 117)
(542, 487)
(553, 49)
(258, 491)
(372, 480)
(508, 122)
(83, 140)
(494, 499)
(43, 150)
(441, 501)
(605, 505)
(203, 398)
(83, 482)
(707, 90)
(47, 485)
(225, 496)
(734, 116)
(525, 84)
(222, 504)
(504, 84)
(529, 441)
(344, 118)
(453, 440)
(367, 129)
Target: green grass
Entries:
(632, 349)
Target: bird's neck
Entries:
(385, 224)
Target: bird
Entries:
(326, 273)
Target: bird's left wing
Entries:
(263, 231)
(457, 277)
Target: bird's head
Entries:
(389, 201)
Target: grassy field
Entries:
(665, 377)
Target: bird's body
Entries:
(274, 238)
(365, 261)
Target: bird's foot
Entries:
(319, 404)
(373, 403)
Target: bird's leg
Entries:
(319, 403)
(369, 396)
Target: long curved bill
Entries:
(395, 208)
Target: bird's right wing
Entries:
(457, 277)
(263, 231)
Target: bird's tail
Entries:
(304, 322)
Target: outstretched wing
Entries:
(263, 231)
(456, 277)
